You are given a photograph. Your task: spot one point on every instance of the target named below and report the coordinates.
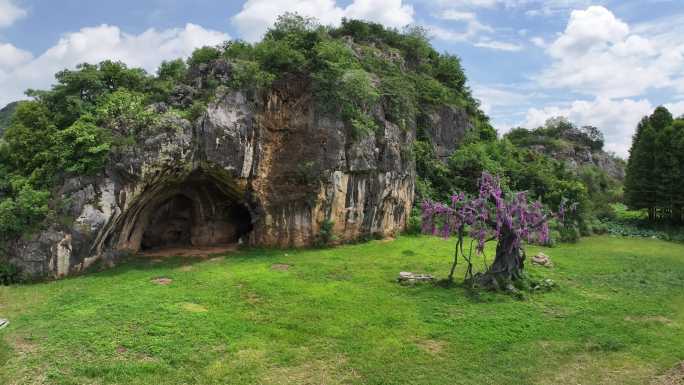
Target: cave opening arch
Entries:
(201, 208)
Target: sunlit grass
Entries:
(336, 316)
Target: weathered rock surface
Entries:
(409, 278)
(265, 170)
(542, 259)
(577, 156)
(447, 127)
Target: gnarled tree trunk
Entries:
(508, 264)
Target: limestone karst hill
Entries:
(306, 137)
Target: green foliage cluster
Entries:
(635, 223)
(325, 234)
(9, 274)
(355, 69)
(655, 170)
(68, 130)
(521, 169)
(557, 133)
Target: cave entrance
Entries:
(198, 212)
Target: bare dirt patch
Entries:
(191, 252)
(251, 298)
(280, 267)
(24, 346)
(612, 369)
(650, 319)
(431, 346)
(314, 372)
(162, 281)
(193, 307)
(674, 376)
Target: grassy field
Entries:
(336, 316)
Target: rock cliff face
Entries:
(577, 156)
(447, 127)
(268, 170)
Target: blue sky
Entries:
(605, 63)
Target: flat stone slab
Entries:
(408, 278)
(542, 259)
(280, 266)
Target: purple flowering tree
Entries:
(491, 216)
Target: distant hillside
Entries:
(576, 146)
(6, 114)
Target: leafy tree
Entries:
(203, 55)
(655, 167)
(492, 215)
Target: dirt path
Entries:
(198, 252)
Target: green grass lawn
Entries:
(337, 316)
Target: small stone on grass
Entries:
(542, 259)
(3, 322)
(408, 278)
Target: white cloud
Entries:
(498, 45)
(473, 31)
(257, 16)
(599, 56)
(538, 41)
(677, 109)
(9, 13)
(616, 118)
(532, 7)
(492, 98)
(146, 50)
(594, 28)
(472, 25)
(11, 56)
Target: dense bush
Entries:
(9, 274)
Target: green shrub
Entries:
(277, 56)
(249, 75)
(325, 234)
(20, 212)
(9, 274)
(204, 55)
(569, 233)
(414, 224)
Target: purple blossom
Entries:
(489, 215)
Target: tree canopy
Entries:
(655, 170)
